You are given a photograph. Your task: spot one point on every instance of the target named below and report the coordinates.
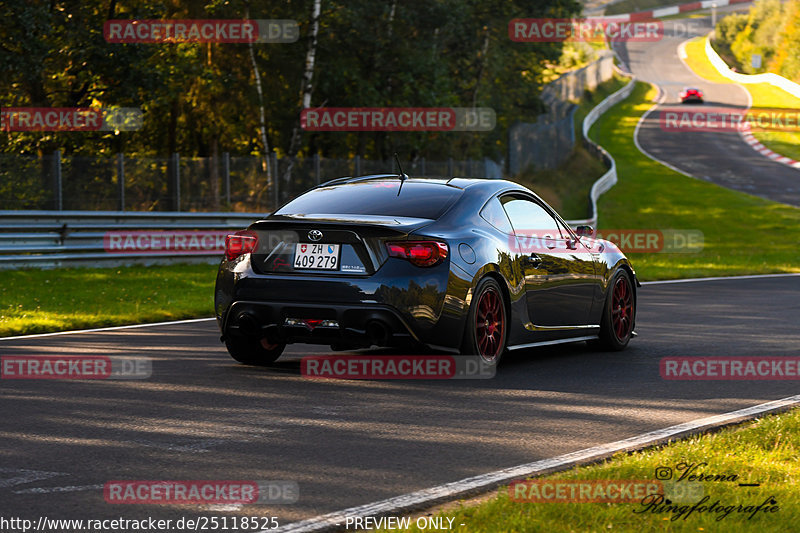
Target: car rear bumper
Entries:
(344, 324)
(388, 308)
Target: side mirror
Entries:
(584, 231)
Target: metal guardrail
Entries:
(48, 239)
(609, 179)
(773, 79)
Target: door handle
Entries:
(534, 260)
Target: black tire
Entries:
(486, 330)
(250, 351)
(619, 313)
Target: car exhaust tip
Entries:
(248, 324)
(378, 333)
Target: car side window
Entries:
(493, 213)
(529, 218)
(565, 230)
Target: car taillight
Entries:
(420, 253)
(240, 243)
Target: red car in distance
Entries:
(691, 94)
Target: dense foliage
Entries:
(771, 29)
(200, 99)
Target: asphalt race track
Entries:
(720, 157)
(202, 416)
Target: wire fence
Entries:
(241, 184)
(226, 183)
(548, 142)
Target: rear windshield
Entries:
(417, 200)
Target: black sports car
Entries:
(474, 266)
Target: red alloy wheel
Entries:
(622, 308)
(490, 324)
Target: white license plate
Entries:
(316, 256)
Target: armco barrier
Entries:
(48, 239)
(668, 11)
(773, 79)
(607, 180)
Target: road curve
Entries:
(201, 416)
(719, 157)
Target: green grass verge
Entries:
(567, 187)
(592, 98)
(743, 234)
(41, 301)
(38, 301)
(763, 94)
(698, 61)
(765, 452)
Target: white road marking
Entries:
(196, 447)
(20, 476)
(327, 410)
(195, 320)
(718, 278)
(48, 490)
(111, 328)
(225, 507)
(486, 482)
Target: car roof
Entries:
(488, 184)
(475, 189)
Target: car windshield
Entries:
(417, 199)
